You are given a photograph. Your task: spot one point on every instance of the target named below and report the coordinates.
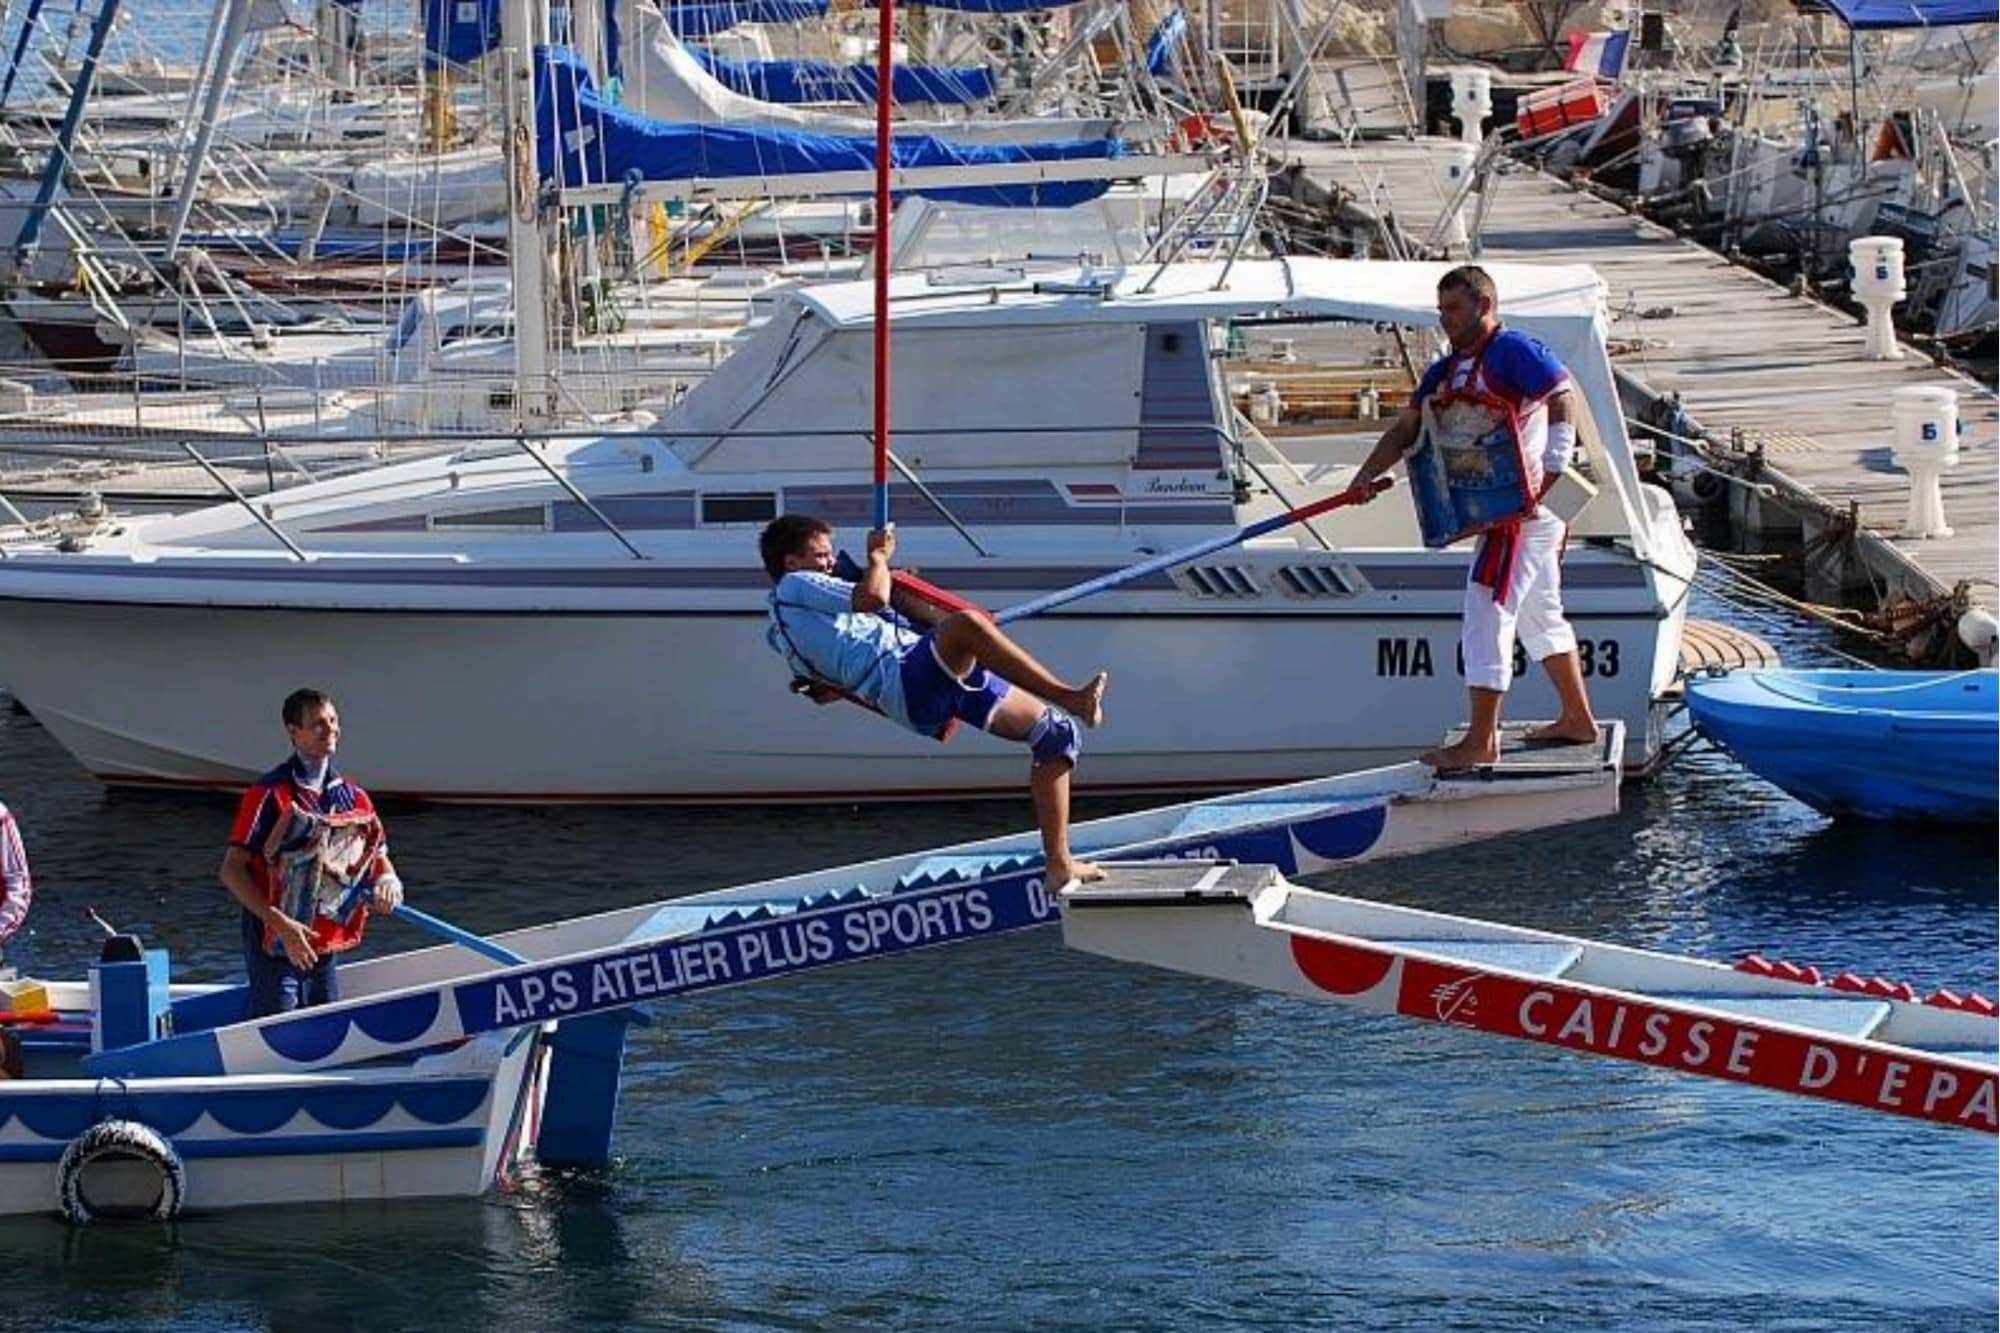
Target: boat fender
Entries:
(123, 1170)
(1055, 736)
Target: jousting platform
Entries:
(1870, 1044)
(442, 1067)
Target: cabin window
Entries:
(518, 518)
(751, 507)
(500, 400)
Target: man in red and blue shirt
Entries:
(16, 888)
(306, 860)
(1515, 584)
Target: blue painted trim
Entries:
(302, 1145)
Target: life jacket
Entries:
(320, 870)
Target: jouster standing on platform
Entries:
(1515, 585)
(307, 859)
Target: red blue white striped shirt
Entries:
(16, 890)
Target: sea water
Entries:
(1006, 1135)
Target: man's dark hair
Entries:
(301, 703)
(786, 535)
(1474, 279)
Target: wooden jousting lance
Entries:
(1199, 549)
(884, 75)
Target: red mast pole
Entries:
(884, 75)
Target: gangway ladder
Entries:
(1867, 1044)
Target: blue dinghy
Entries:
(1879, 744)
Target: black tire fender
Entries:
(131, 1149)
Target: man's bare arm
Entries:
(872, 594)
(296, 939)
(1395, 441)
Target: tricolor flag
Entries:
(1599, 53)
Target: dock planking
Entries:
(1743, 353)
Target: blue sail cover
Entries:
(1160, 46)
(1871, 15)
(796, 82)
(999, 6)
(458, 32)
(582, 139)
(697, 19)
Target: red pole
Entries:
(884, 76)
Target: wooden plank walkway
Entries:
(1742, 352)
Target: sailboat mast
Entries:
(523, 27)
(884, 75)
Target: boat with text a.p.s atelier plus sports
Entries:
(585, 620)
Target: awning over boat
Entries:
(583, 140)
(1874, 15)
(794, 82)
(458, 32)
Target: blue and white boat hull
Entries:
(1874, 744)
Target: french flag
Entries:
(1599, 53)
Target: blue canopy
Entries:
(1870, 15)
(582, 139)
(459, 31)
(1160, 46)
(800, 81)
(698, 19)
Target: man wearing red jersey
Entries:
(307, 859)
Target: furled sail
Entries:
(663, 80)
(582, 139)
(800, 81)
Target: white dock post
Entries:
(1471, 102)
(1454, 162)
(1878, 284)
(1926, 417)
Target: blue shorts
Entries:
(932, 696)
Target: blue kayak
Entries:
(1878, 744)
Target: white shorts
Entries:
(1534, 610)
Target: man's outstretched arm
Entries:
(1395, 442)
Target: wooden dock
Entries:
(1780, 375)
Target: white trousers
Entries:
(1534, 610)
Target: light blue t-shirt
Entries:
(814, 625)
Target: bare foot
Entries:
(1460, 758)
(1076, 872)
(1089, 701)
(1566, 731)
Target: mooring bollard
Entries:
(1926, 418)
